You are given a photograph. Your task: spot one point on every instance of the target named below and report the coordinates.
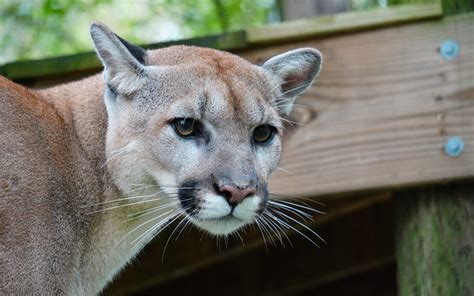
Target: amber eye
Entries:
(185, 127)
(263, 133)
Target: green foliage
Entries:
(41, 28)
(31, 29)
(457, 6)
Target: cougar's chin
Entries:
(216, 216)
(220, 226)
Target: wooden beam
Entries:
(254, 268)
(342, 22)
(435, 240)
(382, 110)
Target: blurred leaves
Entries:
(43, 28)
(31, 29)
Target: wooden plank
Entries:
(434, 240)
(343, 22)
(382, 110)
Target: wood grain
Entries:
(341, 22)
(434, 234)
(381, 111)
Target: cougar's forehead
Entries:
(215, 85)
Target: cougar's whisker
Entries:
(266, 231)
(161, 226)
(302, 225)
(125, 205)
(146, 222)
(257, 222)
(289, 121)
(294, 229)
(297, 198)
(280, 84)
(286, 171)
(275, 231)
(298, 205)
(278, 226)
(121, 199)
(293, 89)
(295, 211)
(150, 211)
(169, 238)
(172, 213)
(120, 152)
(188, 223)
(282, 229)
(176, 202)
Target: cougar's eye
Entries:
(185, 127)
(263, 133)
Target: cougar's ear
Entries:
(124, 63)
(295, 71)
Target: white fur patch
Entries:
(223, 226)
(215, 218)
(247, 209)
(214, 206)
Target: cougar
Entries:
(92, 170)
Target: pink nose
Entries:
(236, 194)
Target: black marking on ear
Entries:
(112, 89)
(137, 52)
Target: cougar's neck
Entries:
(104, 250)
(81, 104)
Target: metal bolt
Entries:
(449, 49)
(454, 146)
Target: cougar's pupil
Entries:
(263, 133)
(184, 126)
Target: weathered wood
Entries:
(382, 110)
(435, 240)
(358, 232)
(343, 22)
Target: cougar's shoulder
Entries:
(41, 188)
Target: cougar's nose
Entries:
(234, 194)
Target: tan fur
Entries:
(66, 157)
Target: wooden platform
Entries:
(382, 110)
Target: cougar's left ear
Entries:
(295, 71)
(124, 70)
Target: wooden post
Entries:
(434, 239)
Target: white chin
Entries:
(222, 226)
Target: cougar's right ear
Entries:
(124, 63)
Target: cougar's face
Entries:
(211, 142)
(201, 125)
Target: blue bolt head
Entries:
(449, 49)
(454, 146)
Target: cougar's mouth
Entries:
(214, 213)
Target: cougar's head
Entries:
(203, 126)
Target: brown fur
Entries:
(54, 145)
